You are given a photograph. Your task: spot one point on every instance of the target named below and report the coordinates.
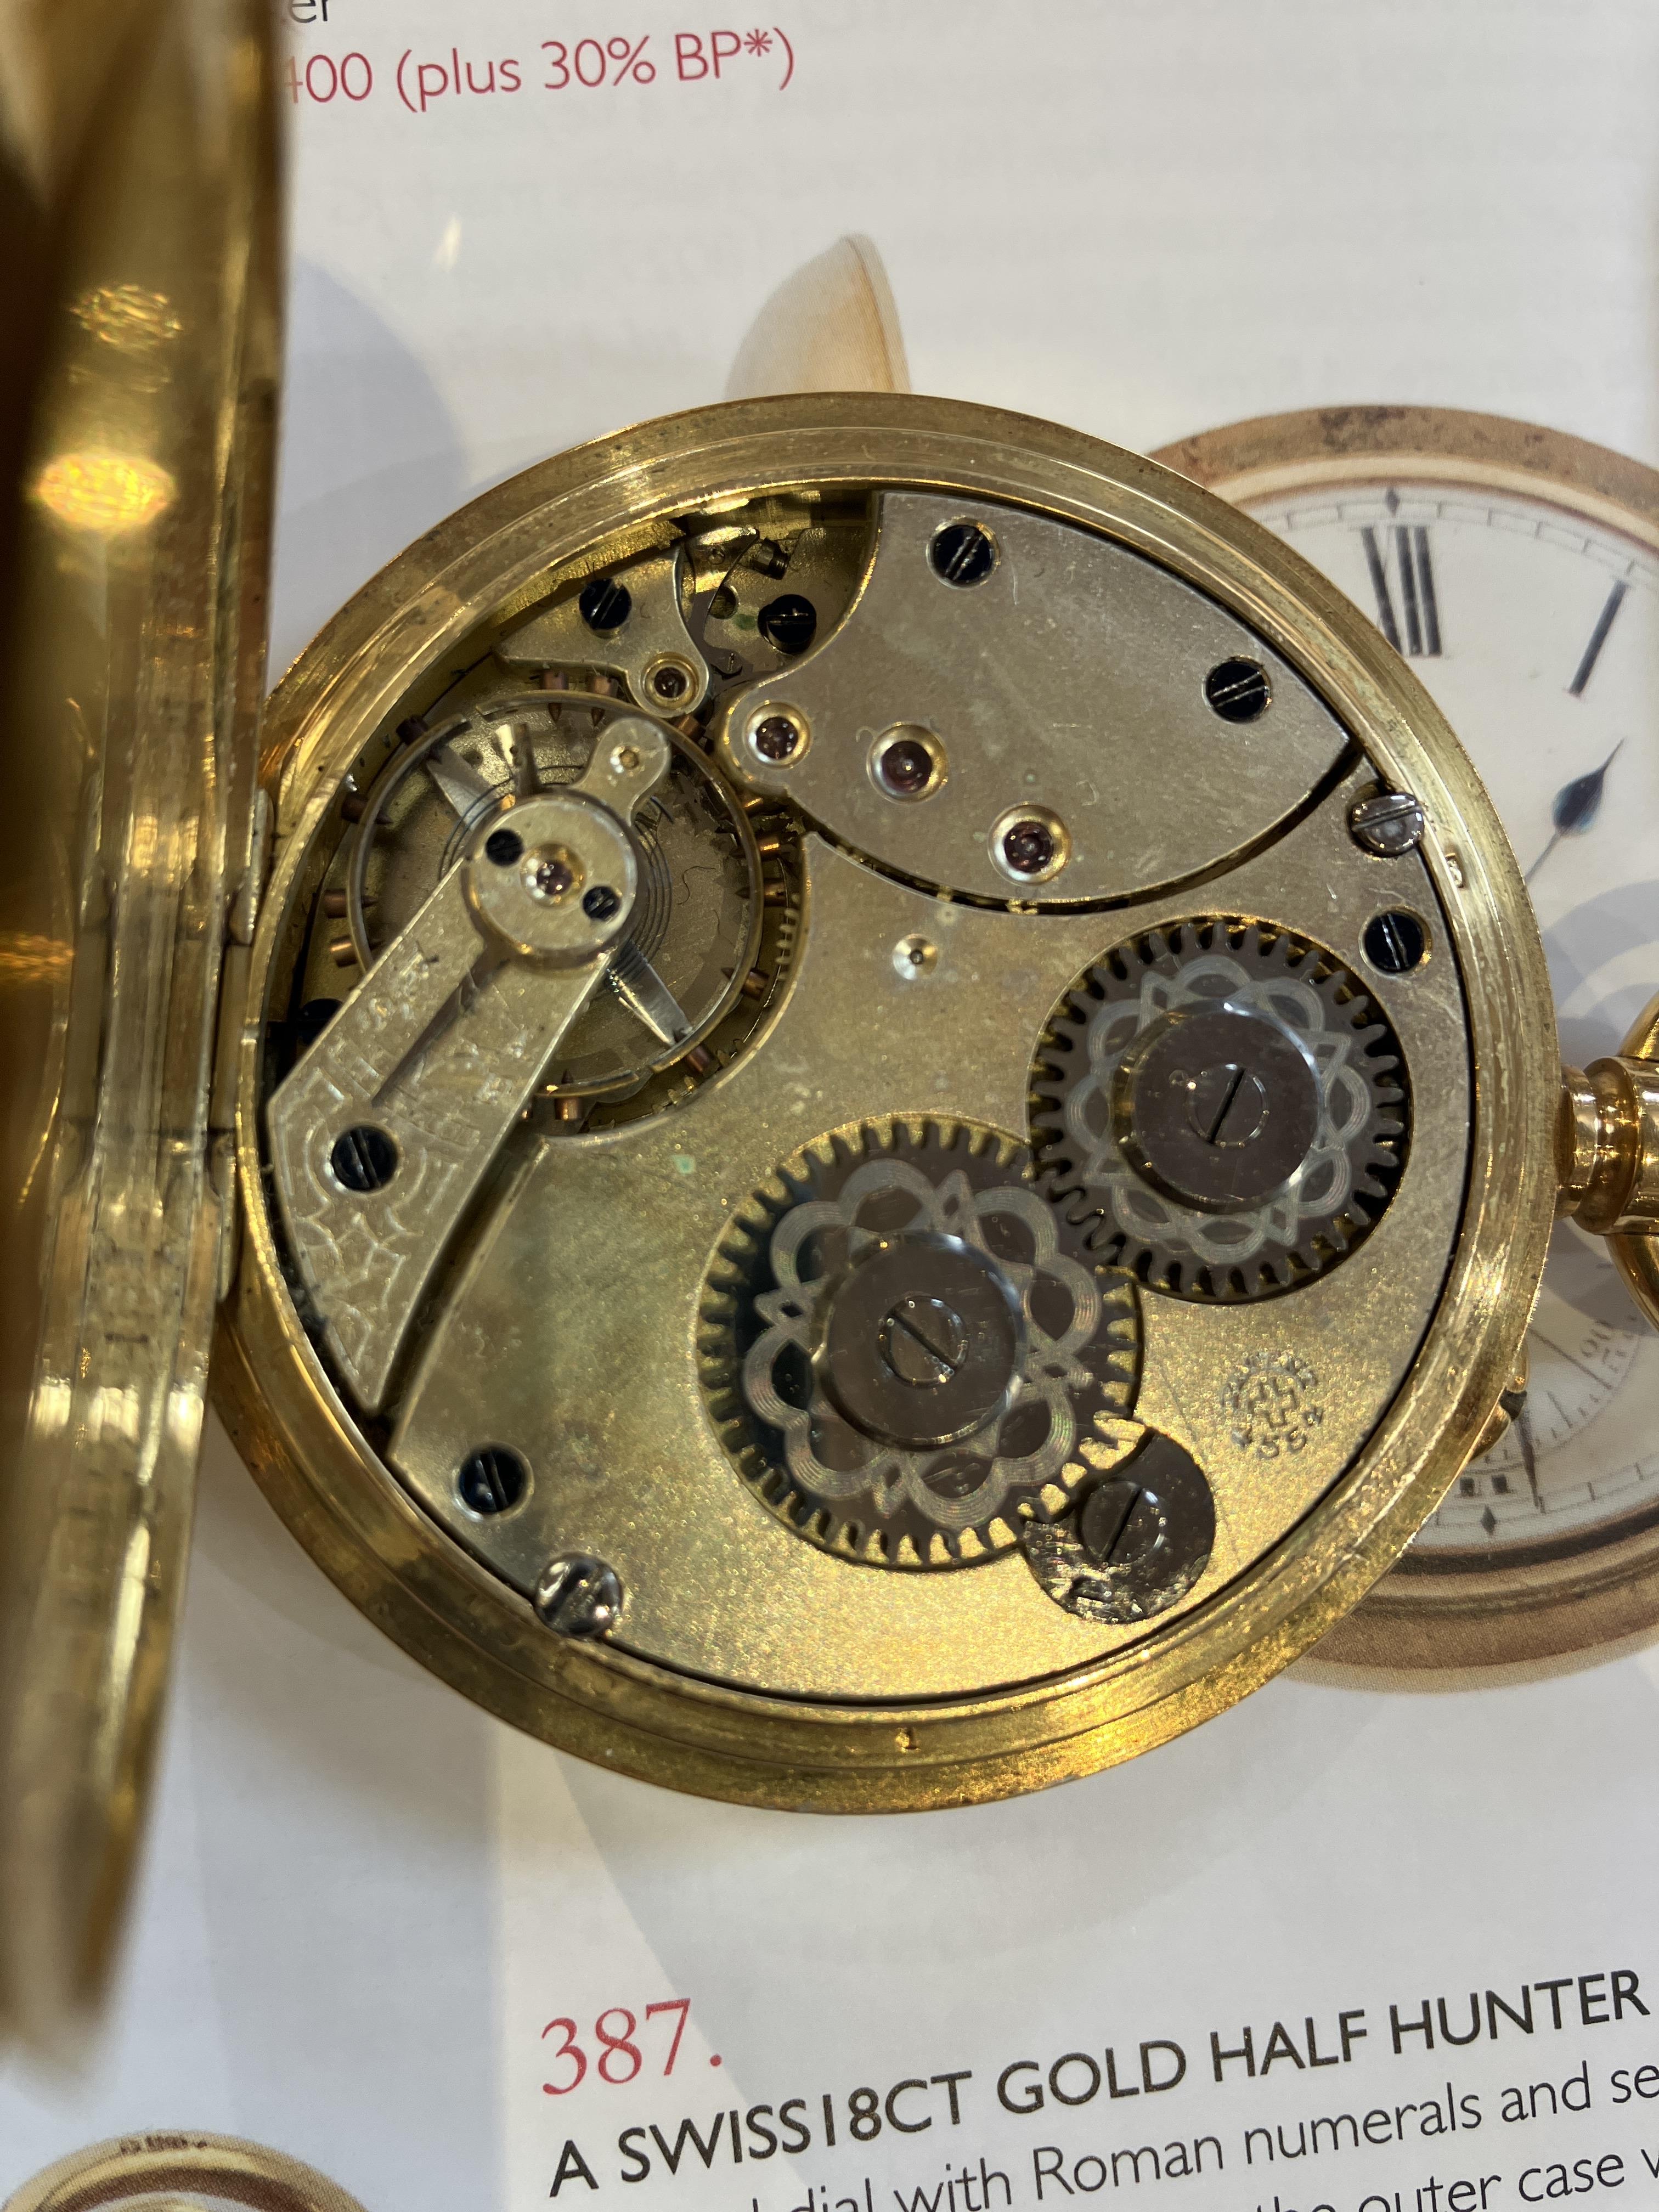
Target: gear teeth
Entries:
(855, 1528)
(1376, 1155)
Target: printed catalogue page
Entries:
(1383, 1936)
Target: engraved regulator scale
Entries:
(869, 1098)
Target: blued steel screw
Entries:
(363, 1160)
(492, 1480)
(1395, 943)
(604, 604)
(601, 902)
(1238, 689)
(790, 623)
(963, 554)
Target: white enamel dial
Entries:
(1536, 628)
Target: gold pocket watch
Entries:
(869, 1098)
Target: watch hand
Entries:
(1604, 622)
(1576, 807)
(1561, 1353)
(1529, 1454)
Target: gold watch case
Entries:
(845, 1735)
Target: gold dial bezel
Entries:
(1423, 1619)
(445, 1608)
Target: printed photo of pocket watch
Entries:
(867, 1097)
(1517, 568)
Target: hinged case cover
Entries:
(140, 235)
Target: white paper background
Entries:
(363, 1899)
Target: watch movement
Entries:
(872, 1083)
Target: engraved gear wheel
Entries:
(905, 1350)
(1221, 1108)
